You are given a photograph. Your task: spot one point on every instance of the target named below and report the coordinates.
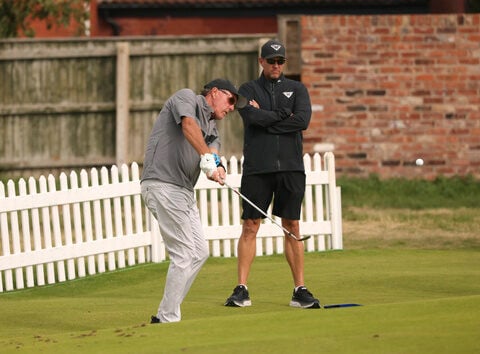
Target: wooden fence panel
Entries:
(58, 97)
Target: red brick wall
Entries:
(387, 90)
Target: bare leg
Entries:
(246, 248)
(294, 251)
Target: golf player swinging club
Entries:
(265, 214)
(183, 143)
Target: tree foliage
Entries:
(16, 16)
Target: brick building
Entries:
(167, 17)
(200, 17)
(387, 90)
(398, 83)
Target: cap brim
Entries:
(241, 102)
(274, 56)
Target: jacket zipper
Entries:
(277, 137)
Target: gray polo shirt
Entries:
(169, 157)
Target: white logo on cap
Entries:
(276, 47)
(288, 94)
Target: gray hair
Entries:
(205, 91)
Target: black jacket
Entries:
(273, 139)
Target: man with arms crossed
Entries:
(279, 110)
(184, 140)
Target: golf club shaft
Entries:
(265, 214)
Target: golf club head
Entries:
(296, 238)
(304, 238)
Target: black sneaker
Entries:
(239, 298)
(304, 299)
(155, 319)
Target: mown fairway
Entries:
(411, 258)
(414, 301)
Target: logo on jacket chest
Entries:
(288, 94)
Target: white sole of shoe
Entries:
(238, 304)
(313, 305)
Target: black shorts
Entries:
(286, 188)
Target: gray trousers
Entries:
(177, 214)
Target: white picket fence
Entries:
(53, 231)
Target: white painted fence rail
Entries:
(57, 230)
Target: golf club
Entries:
(265, 214)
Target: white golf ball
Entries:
(419, 162)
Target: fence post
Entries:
(334, 212)
(339, 217)
(122, 103)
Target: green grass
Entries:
(367, 228)
(416, 194)
(412, 259)
(414, 301)
(400, 213)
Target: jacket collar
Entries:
(266, 82)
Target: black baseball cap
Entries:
(273, 49)
(223, 84)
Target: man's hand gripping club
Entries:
(210, 164)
